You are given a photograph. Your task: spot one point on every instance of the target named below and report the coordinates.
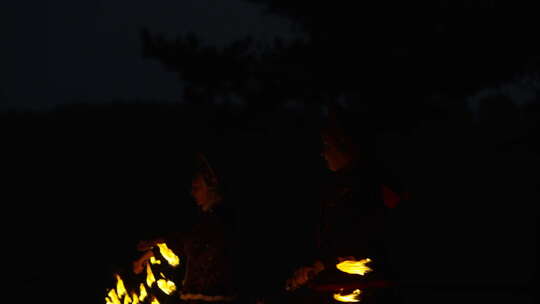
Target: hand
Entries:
(348, 258)
(299, 278)
(146, 245)
(303, 275)
(138, 265)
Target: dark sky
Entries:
(65, 51)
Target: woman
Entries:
(206, 251)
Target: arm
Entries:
(303, 275)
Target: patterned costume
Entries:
(209, 258)
(354, 226)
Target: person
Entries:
(355, 206)
(207, 250)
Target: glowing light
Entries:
(169, 255)
(355, 267)
(348, 298)
(127, 299)
(166, 286)
(112, 297)
(142, 294)
(120, 288)
(135, 297)
(150, 279)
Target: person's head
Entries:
(205, 186)
(337, 152)
(338, 149)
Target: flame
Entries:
(349, 298)
(169, 255)
(112, 297)
(166, 286)
(150, 279)
(355, 267)
(135, 297)
(143, 292)
(127, 299)
(120, 288)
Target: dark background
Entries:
(86, 175)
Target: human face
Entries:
(336, 159)
(200, 191)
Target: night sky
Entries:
(471, 236)
(57, 48)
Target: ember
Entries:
(355, 267)
(349, 298)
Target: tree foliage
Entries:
(388, 54)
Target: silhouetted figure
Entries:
(207, 250)
(354, 211)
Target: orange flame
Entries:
(112, 297)
(166, 286)
(169, 255)
(349, 298)
(150, 279)
(143, 293)
(135, 297)
(355, 267)
(120, 287)
(127, 299)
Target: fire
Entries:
(135, 297)
(355, 267)
(143, 293)
(120, 288)
(169, 255)
(349, 298)
(166, 286)
(150, 279)
(127, 299)
(112, 297)
(120, 294)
